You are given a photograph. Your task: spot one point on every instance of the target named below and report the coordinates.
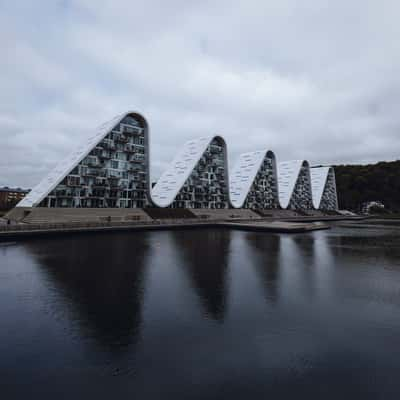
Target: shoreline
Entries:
(268, 225)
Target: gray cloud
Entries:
(311, 79)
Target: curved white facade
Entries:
(197, 177)
(323, 184)
(294, 183)
(109, 169)
(253, 181)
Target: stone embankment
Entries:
(13, 232)
(40, 222)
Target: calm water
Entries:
(202, 314)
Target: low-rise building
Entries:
(372, 206)
(9, 197)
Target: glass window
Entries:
(130, 121)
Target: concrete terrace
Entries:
(39, 221)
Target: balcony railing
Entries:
(120, 139)
(61, 194)
(94, 172)
(132, 130)
(137, 158)
(94, 164)
(104, 155)
(108, 145)
(130, 148)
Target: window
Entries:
(130, 121)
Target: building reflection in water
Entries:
(101, 281)
(305, 245)
(205, 260)
(266, 260)
(314, 262)
(303, 264)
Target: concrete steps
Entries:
(228, 213)
(169, 213)
(42, 215)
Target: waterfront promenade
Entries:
(77, 222)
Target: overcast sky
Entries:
(318, 79)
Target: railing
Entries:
(120, 139)
(137, 158)
(106, 224)
(104, 155)
(132, 130)
(94, 164)
(108, 145)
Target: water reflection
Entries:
(206, 258)
(123, 314)
(366, 244)
(266, 260)
(305, 246)
(100, 283)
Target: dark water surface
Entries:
(205, 314)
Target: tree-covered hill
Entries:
(357, 184)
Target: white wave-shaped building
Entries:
(196, 178)
(110, 169)
(324, 192)
(254, 181)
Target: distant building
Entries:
(294, 183)
(323, 185)
(369, 205)
(9, 197)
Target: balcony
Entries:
(73, 181)
(96, 151)
(117, 187)
(131, 130)
(63, 194)
(91, 173)
(137, 158)
(104, 156)
(215, 149)
(130, 148)
(94, 164)
(100, 184)
(108, 145)
(113, 182)
(120, 139)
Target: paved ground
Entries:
(277, 226)
(19, 231)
